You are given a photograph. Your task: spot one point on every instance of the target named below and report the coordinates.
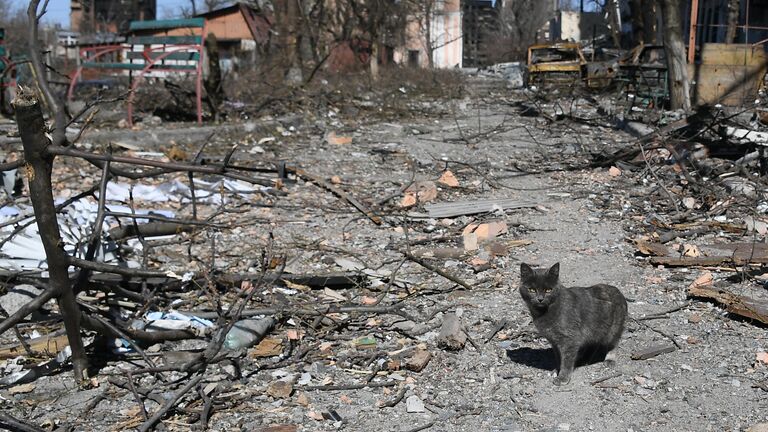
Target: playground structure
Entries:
(153, 49)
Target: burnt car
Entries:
(564, 64)
(559, 63)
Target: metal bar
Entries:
(692, 31)
(739, 26)
(166, 24)
(746, 24)
(199, 82)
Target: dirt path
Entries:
(706, 384)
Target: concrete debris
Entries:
(280, 389)
(451, 336)
(413, 404)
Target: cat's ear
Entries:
(526, 272)
(553, 274)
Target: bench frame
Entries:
(171, 47)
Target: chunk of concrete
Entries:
(451, 336)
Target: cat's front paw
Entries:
(561, 380)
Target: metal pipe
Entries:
(692, 31)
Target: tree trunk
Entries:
(428, 18)
(286, 17)
(679, 84)
(374, 60)
(32, 129)
(733, 21)
(614, 21)
(213, 87)
(650, 23)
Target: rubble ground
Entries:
(500, 378)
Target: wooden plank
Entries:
(166, 24)
(165, 40)
(179, 55)
(707, 261)
(49, 344)
(743, 250)
(736, 304)
(459, 208)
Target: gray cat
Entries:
(581, 323)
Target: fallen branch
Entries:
(708, 261)
(165, 166)
(308, 310)
(150, 423)
(439, 271)
(107, 268)
(671, 338)
(651, 352)
(598, 381)
(13, 424)
(395, 400)
(27, 309)
(665, 313)
(350, 386)
(338, 192)
(152, 229)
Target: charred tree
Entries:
(428, 17)
(638, 22)
(650, 25)
(679, 83)
(29, 117)
(614, 21)
(286, 23)
(213, 88)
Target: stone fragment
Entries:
(414, 405)
(451, 336)
(280, 389)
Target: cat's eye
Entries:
(547, 290)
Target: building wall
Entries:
(712, 21)
(446, 35)
(109, 15)
(230, 26)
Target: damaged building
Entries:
(110, 16)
